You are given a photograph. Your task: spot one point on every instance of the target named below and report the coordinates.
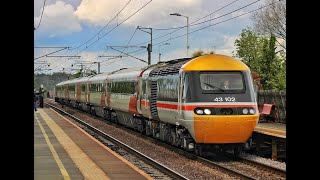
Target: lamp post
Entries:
(177, 14)
(159, 49)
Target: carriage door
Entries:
(144, 95)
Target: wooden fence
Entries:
(278, 98)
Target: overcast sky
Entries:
(72, 23)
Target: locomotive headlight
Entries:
(252, 111)
(245, 111)
(199, 111)
(207, 111)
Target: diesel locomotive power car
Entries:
(200, 104)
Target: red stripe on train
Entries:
(167, 106)
(108, 99)
(103, 100)
(133, 105)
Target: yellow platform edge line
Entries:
(86, 166)
(63, 171)
(108, 149)
(270, 130)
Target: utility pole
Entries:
(149, 48)
(81, 69)
(98, 67)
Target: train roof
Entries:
(171, 67)
(99, 77)
(63, 82)
(216, 62)
(72, 81)
(81, 79)
(125, 73)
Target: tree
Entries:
(259, 54)
(272, 20)
(49, 81)
(201, 53)
(272, 66)
(76, 75)
(198, 53)
(249, 48)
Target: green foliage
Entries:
(197, 53)
(48, 80)
(259, 54)
(201, 53)
(83, 73)
(278, 79)
(249, 48)
(76, 75)
(92, 72)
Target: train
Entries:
(183, 102)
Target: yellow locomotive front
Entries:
(218, 104)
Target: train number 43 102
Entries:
(226, 99)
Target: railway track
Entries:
(228, 166)
(263, 166)
(244, 167)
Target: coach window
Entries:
(109, 87)
(114, 87)
(102, 87)
(143, 91)
(92, 87)
(133, 87)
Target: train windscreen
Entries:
(222, 81)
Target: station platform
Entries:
(272, 129)
(62, 150)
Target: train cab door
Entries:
(181, 99)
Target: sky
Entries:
(81, 32)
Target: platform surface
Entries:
(62, 150)
(272, 129)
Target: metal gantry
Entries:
(149, 47)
